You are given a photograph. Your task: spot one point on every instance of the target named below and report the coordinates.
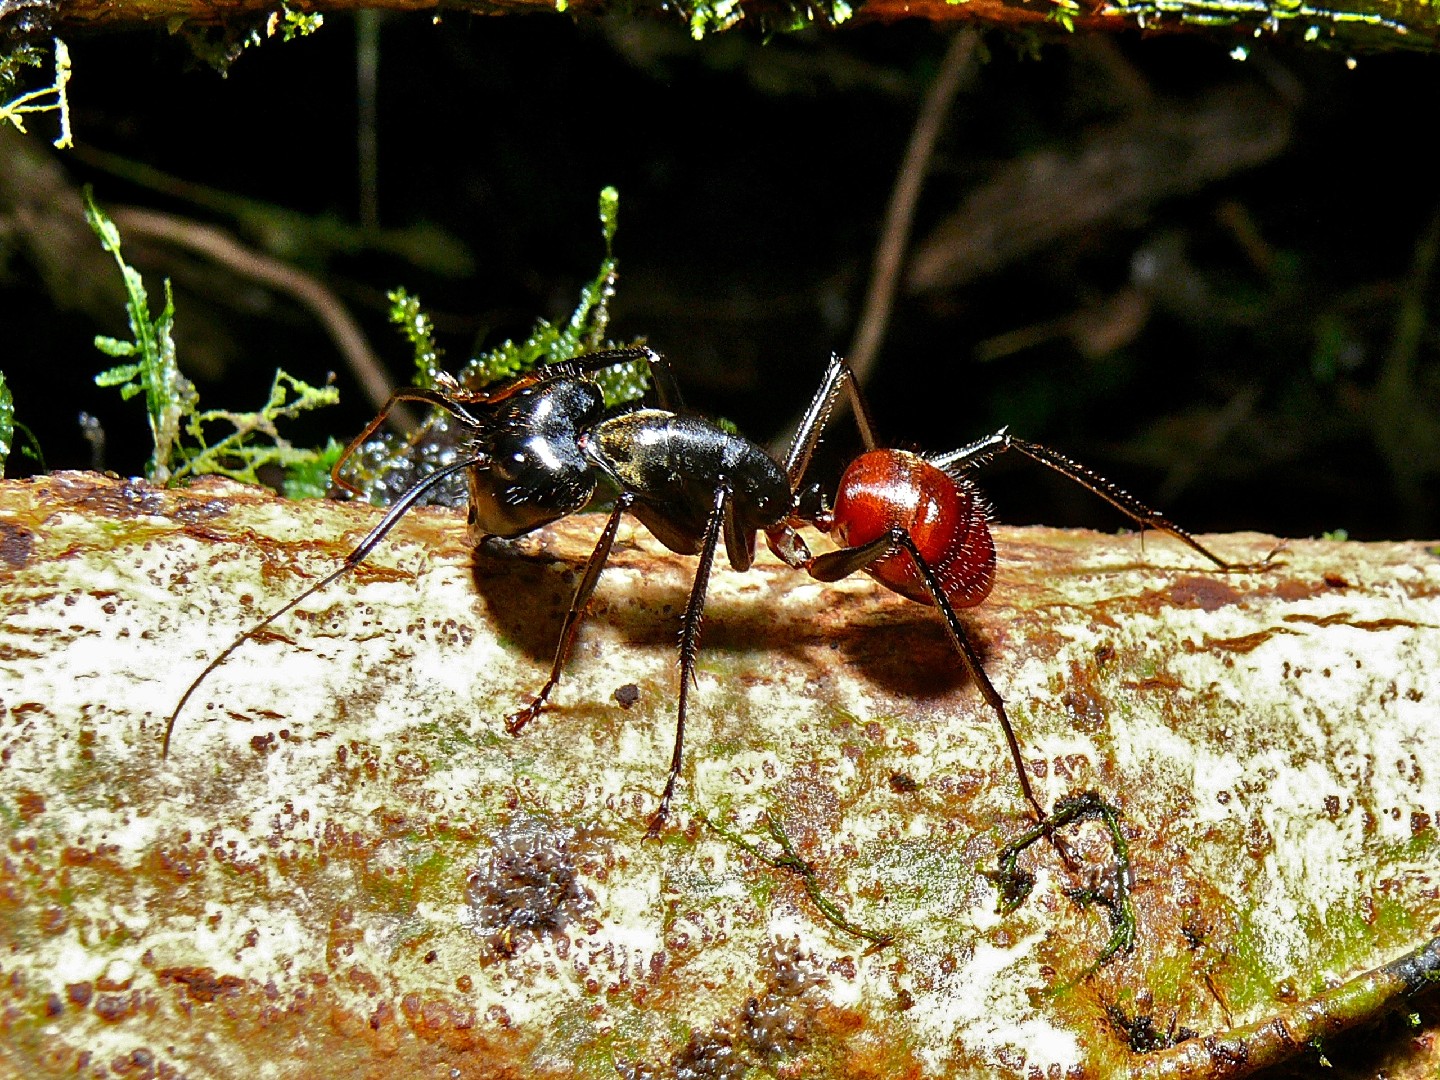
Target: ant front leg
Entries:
(838, 379)
(516, 721)
(439, 397)
(581, 367)
(834, 565)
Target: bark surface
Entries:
(346, 867)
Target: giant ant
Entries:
(539, 445)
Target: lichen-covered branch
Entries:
(346, 867)
(1345, 24)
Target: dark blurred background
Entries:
(1210, 278)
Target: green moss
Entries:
(293, 23)
(7, 422)
(1347, 936)
(1394, 923)
(220, 45)
(1342, 937)
(419, 329)
(447, 740)
(52, 98)
(583, 332)
(1375, 28)
(1422, 846)
(376, 466)
(784, 857)
(1169, 975)
(914, 870)
(712, 16)
(1244, 977)
(181, 433)
(10, 429)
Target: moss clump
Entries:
(182, 433)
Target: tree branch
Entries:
(1344, 24)
(347, 866)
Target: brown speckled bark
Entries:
(347, 868)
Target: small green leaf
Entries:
(116, 375)
(310, 478)
(238, 455)
(609, 216)
(169, 396)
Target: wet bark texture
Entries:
(346, 867)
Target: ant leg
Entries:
(978, 452)
(574, 368)
(816, 418)
(667, 389)
(354, 559)
(690, 646)
(835, 565)
(789, 547)
(516, 721)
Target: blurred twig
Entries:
(308, 290)
(955, 67)
(1404, 418)
(899, 216)
(1163, 149)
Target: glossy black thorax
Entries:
(675, 465)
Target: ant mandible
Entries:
(538, 445)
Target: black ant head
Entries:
(534, 471)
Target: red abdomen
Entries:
(947, 518)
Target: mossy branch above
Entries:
(1350, 25)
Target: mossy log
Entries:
(1345, 24)
(347, 868)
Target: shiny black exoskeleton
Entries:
(543, 451)
(538, 447)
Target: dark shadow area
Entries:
(1210, 280)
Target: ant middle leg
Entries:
(690, 646)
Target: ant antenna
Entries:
(354, 559)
